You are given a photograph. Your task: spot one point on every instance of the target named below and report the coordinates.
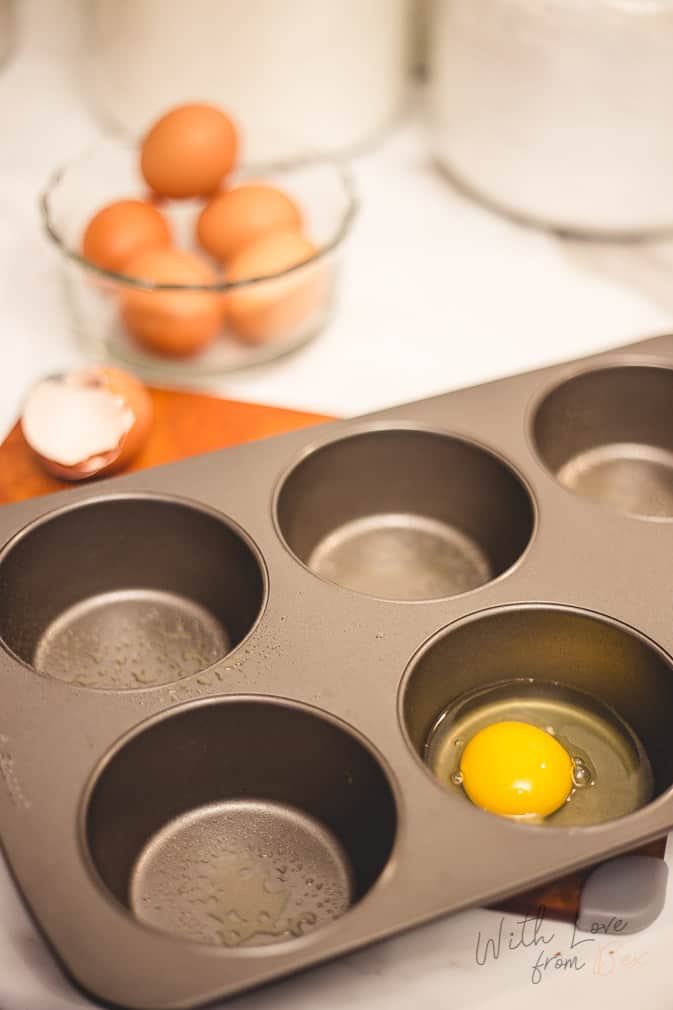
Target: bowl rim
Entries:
(340, 169)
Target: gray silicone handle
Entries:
(623, 895)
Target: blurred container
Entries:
(300, 76)
(293, 305)
(558, 111)
(6, 29)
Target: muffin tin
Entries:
(218, 676)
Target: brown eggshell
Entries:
(133, 396)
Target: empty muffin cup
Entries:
(607, 435)
(405, 514)
(128, 592)
(593, 694)
(240, 822)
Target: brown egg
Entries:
(176, 323)
(88, 422)
(277, 308)
(189, 151)
(121, 229)
(242, 214)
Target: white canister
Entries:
(558, 111)
(299, 75)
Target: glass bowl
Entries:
(304, 294)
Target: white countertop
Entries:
(438, 292)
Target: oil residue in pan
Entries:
(130, 638)
(122, 593)
(401, 556)
(615, 776)
(241, 872)
(634, 478)
(404, 514)
(607, 435)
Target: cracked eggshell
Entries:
(88, 422)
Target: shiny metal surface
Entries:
(240, 822)
(241, 873)
(607, 435)
(635, 478)
(130, 638)
(405, 515)
(402, 557)
(128, 593)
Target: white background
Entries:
(438, 292)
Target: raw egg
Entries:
(516, 770)
(121, 229)
(234, 219)
(543, 752)
(189, 151)
(276, 308)
(87, 422)
(171, 322)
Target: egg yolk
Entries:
(516, 769)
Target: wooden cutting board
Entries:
(186, 424)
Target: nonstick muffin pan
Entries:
(218, 677)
